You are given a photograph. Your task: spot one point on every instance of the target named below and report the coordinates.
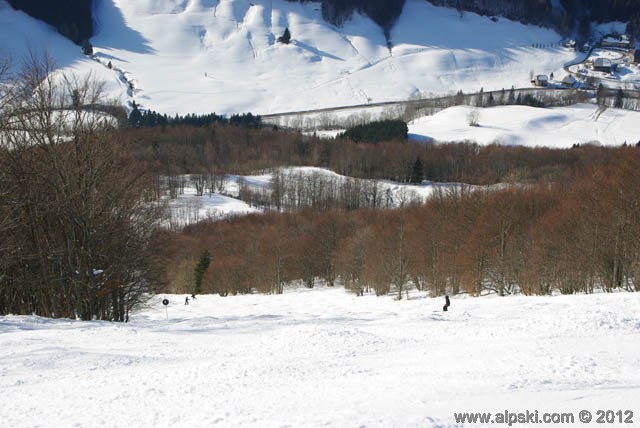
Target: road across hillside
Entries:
(550, 97)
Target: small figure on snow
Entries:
(193, 297)
(186, 300)
(447, 303)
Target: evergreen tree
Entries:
(286, 37)
(619, 102)
(201, 267)
(87, 48)
(512, 96)
(480, 99)
(600, 96)
(417, 172)
(135, 117)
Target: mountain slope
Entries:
(203, 56)
(22, 36)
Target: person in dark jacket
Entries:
(447, 303)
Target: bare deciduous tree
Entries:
(75, 199)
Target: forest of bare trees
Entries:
(578, 236)
(220, 149)
(321, 228)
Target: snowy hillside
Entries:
(528, 126)
(22, 36)
(314, 358)
(203, 55)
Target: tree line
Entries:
(148, 119)
(567, 237)
(221, 148)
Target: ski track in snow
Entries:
(322, 357)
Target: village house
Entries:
(541, 80)
(602, 64)
(569, 81)
(616, 41)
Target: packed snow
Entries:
(323, 357)
(560, 127)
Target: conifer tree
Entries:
(201, 267)
(286, 37)
(87, 48)
(135, 117)
(417, 172)
(619, 102)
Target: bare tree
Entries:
(76, 199)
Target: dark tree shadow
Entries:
(315, 51)
(122, 36)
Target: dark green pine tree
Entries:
(87, 48)
(286, 37)
(600, 96)
(619, 102)
(512, 96)
(417, 172)
(198, 273)
(135, 117)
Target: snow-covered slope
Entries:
(208, 55)
(22, 36)
(520, 125)
(313, 358)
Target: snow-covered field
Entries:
(560, 127)
(203, 56)
(323, 357)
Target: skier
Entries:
(186, 300)
(447, 303)
(193, 297)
